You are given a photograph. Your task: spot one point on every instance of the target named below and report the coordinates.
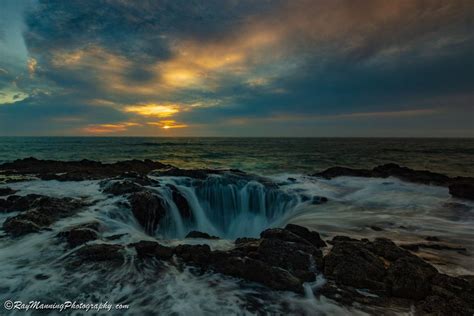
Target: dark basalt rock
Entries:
(78, 236)
(190, 173)
(283, 234)
(77, 170)
(410, 175)
(16, 203)
(410, 277)
(458, 293)
(7, 191)
(41, 276)
(441, 306)
(350, 263)
(197, 234)
(415, 247)
(313, 237)
(181, 202)
(432, 238)
(138, 178)
(122, 187)
(299, 259)
(19, 227)
(338, 239)
(244, 240)
(386, 249)
(462, 187)
(149, 209)
(41, 213)
(115, 237)
(151, 249)
(334, 172)
(98, 253)
(376, 228)
(258, 271)
(280, 260)
(197, 254)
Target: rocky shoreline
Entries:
(372, 273)
(461, 187)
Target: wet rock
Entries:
(181, 203)
(417, 246)
(19, 227)
(410, 175)
(376, 228)
(334, 172)
(410, 277)
(411, 247)
(42, 212)
(258, 271)
(97, 253)
(7, 191)
(190, 173)
(244, 240)
(78, 236)
(462, 189)
(318, 200)
(77, 170)
(94, 225)
(313, 237)
(151, 249)
(115, 237)
(149, 209)
(122, 187)
(338, 239)
(299, 259)
(283, 234)
(198, 234)
(447, 286)
(41, 276)
(138, 178)
(351, 264)
(387, 249)
(197, 254)
(441, 306)
(432, 238)
(16, 203)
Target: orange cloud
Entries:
(167, 124)
(108, 128)
(156, 110)
(32, 65)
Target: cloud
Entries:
(167, 124)
(32, 64)
(155, 110)
(108, 128)
(201, 65)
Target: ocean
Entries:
(37, 266)
(450, 156)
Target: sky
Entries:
(309, 68)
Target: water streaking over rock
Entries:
(229, 205)
(209, 241)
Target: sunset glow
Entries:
(155, 110)
(237, 68)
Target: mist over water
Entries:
(36, 266)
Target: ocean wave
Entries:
(168, 144)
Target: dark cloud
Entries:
(243, 59)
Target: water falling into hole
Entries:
(224, 206)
